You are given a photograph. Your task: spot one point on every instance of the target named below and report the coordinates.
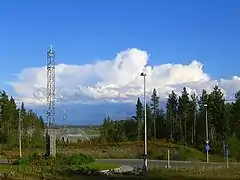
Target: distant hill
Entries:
(74, 126)
(90, 114)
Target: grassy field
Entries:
(91, 131)
(197, 173)
(164, 174)
(156, 150)
(94, 165)
(180, 174)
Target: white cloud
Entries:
(117, 80)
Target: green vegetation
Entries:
(195, 173)
(182, 123)
(60, 166)
(91, 131)
(40, 172)
(102, 166)
(61, 159)
(32, 125)
(134, 150)
(180, 129)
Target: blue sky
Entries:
(87, 30)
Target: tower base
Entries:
(50, 143)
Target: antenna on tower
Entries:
(65, 118)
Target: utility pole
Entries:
(207, 140)
(145, 166)
(194, 124)
(227, 154)
(20, 132)
(0, 118)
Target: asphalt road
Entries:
(3, 161)
(163, 163)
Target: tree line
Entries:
(32, 126)
(182, 120)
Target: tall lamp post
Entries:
(145, 166)
(207, 140)
(1, 109)
(20, 131)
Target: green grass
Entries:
(94, 165)
(102, 166)
(200, 173)
(172, 174)
(5, 168)
(91, 131)
(132, 150)
(197, 173)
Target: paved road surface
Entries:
(163, 163)
(3, 161)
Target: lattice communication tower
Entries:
(51, 87)
(51, 135)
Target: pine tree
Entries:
(235, 122)
(171, 114)
(162, 125)
(155, 110)
(183, 109)
(193, 116)
(131, 129)
(149, 122)
(9, 131)
(201, 125)
(218, 121)
(104, 128)
(139, 116)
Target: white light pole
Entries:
(0, 119)
(20, 132)
(145, 166)
(207, 140)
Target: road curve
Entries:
(163, 163)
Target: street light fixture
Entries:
(145, 166)
(207, 140)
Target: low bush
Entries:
(77, 159)
(39, 166)
(62, 160)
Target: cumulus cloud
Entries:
(117, 80)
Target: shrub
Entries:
(26, 160)
(77, 159)
(60, 159)
(39, 166)
(234, 147)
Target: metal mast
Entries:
(51, 101)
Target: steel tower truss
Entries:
(51, 101)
